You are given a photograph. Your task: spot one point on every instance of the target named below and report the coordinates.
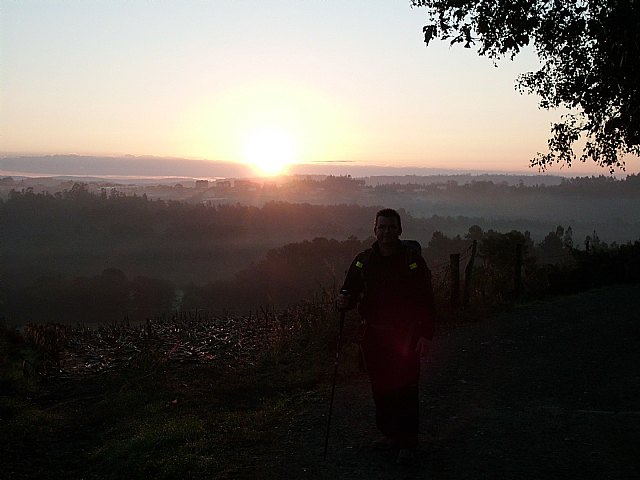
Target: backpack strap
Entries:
(412, 250)
(362, 263)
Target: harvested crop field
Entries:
(545, 390)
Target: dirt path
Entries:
(548, 391)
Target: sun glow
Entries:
(269, 126)
(269, 150)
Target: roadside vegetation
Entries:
(183, 397)
(138, 382)
(195, 395)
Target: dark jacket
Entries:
(393, 291)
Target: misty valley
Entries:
(96, 251)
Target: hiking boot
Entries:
(406, 456)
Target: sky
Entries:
(261, 82)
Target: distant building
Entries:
(270, 187)
(223, 183)
(202, 184)
(246, 185)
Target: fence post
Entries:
(454, 259)
(468, 274)
(517, 279)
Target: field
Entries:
(544, 390)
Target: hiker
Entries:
(391, 285)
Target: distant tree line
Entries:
(76, 232)
(593, 185)
(301, 270)
(289, 274)
(314, 270)
(133, 230)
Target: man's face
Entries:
(387, 230)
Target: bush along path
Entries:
(546, 390)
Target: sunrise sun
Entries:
(269, 150)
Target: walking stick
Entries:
(333, 385)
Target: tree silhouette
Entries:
(589, 50)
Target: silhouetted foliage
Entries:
(287, 275)
(598, 267)
(556, 248)
(497, 252)
(550, 267)
(589, 51)
(230, 257)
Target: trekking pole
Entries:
(333, 385)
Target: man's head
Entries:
(388, 226)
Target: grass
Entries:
(160, 413)
(156, 416)
(165, 414)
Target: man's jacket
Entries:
(393, 291)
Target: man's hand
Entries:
(343, 301)
(423, 347)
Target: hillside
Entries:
(547, 390)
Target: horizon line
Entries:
(376, 170)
